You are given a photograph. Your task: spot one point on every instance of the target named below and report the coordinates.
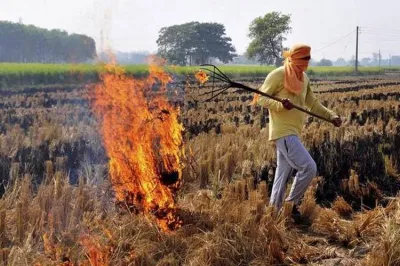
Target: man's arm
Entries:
(270, 86)
(315, 106)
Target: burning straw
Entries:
(143, 138)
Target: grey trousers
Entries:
(291, 154)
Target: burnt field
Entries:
(56, 125)
(57, 203)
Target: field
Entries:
(19, 75)
(58, 204)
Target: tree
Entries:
(267, 34)
(27, 43)
(195, 42)
(366, 61)
(325, 62)
(340, 62)
(352, 61)
(395, 60)
(375, 59)
(312, 62)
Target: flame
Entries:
(143, 138)
(255, 99)
(97, 254)
(201, 76)
(48, 247)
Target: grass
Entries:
(18, 74)
(81, 226)
(33, 74)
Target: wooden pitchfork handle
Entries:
(218, 75)
(242, 86)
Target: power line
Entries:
(380, 34)
(371, 31)
(356, 61)
(338, 40)
(380, 29)
(381, 37)
(381, 41)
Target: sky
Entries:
(328, 26)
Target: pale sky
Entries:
(133, 25)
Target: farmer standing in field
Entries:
(291, 84)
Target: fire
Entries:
(97, 254)
(255, 99)
(143, 138)
(201, 76)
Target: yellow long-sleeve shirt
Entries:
(283, 122)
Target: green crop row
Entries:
(261, 71)
(15, 75)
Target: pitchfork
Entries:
(218, 75)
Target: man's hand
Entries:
(287, 104)
(337, 121)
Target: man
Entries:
(291, 84)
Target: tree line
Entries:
(192, 43)
(375, 60)
(27, 43)
(198, 43)
(195, 43)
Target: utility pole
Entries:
(357, 48)
(379, 58)
(390, 60)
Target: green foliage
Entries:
(17, 74)
(195, 42)
(27, 43)
(267, 34)
(14, 75)
(31, 74)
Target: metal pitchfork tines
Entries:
(217, 74)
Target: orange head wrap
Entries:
(295, 65)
